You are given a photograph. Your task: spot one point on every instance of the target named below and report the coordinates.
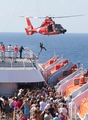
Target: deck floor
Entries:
(18, 62)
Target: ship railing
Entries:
(72, 111)
(41, 68)
(27, 54)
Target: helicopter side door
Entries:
(50, 28)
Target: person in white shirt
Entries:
(10, 99)
(47, 104)
(9, 50)
(42, 104)
(63, 110)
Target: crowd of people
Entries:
(35, 104)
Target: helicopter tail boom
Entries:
(29, 29)
(29, 23)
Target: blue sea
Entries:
(73, 47)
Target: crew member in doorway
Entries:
(21, 50)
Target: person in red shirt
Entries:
(3, 48)
(19, 103)
(15, 52)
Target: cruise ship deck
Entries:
(28, 60)
(15, 70)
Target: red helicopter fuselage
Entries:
(48, 27)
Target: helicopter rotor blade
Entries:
(52, 17)
(22, 16)
(67, 16)
(30, 17)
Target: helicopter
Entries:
(48, 26)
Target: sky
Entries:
(11, 9)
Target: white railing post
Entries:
(11, 62)
(75, 111)
(24, 62)
(69, 110)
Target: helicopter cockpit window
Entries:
(58, 27)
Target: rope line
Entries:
(39, 12)
(12, 16)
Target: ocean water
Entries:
(73, 47)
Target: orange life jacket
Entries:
(3, 48)
(16, 49)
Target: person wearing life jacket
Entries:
(15, 51)
(3, 48)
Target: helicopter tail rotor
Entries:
(27, 32)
